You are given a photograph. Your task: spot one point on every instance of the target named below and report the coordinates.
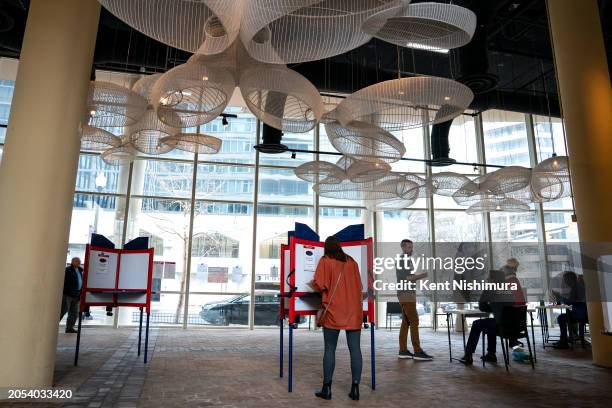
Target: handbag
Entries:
(321, 312)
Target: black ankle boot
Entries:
(354, 394)
(325, 392)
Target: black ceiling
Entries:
(508, 64)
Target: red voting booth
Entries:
(117, 278)
(299, 261)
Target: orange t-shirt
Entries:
(345, 310)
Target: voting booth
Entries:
(299, 259)
(117, 278)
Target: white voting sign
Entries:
(306, 260)
(102, 269)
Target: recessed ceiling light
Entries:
(426, 47)
(204, 78)
(92, 112)
(447, 98)
(401, 92)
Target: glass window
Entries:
(222, 247)
(399, 225)
(166, 223)
(282, 186)
(225, 182)
(298, 141)
(334, 219)
(463, 146)
(94, 175)
(505, 138)
(238, 137)
(162, 178)
(102, 214)
(458, 226)
(273, 223)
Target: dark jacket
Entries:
(71, 282)
(495, 301)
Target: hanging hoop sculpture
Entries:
(204, 27)
(146, 135)
(473, 192)
(358, 171)
(406, 103)
(505, 204)
(365, 142)
(120, 155)
(428, 26)
(320, 172)
(551, 179)
(97, 140)
(390, 187)
(281, 98)
(193, 142)
(110, 105)
(194, 93)
(144, 86)
(507, 180)
(293, 31)
(447, 183)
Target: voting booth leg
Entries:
(78, 340)
(290, 379)
(282, 349)
(373, 355)
(140, 332)
(146, 339)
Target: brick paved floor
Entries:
(239, 368)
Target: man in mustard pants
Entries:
(410, 317)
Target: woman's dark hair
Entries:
(334, 250)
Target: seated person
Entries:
(574, 297)
(492, 302)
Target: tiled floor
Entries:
(239, 368)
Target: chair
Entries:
(513, 325)
(393, 308)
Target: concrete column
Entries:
(586, 98)
(37, 180)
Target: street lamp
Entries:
(100, 185)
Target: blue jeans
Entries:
(353, 338)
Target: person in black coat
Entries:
(73, 281)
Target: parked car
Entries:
(235, 310)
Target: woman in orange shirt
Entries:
(337, 278)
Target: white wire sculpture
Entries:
(111, 105)
(194, 93)
(359, 171)
(364, 141)
(202, 26)
(492, 204)
(146, 135)
(94, 139)
(507, 179)
(551, 179)
(446, 183)
(120, 155)
(320, 172)
(281, 97)
(293, 31)
(144, 85)
(406, 103)
(193, 142)
(427, 26)
(389, 187)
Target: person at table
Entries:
(73, 281)
(490, 302)
(407, 298)
(337, 278)
(510, 270)
(574, 297)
